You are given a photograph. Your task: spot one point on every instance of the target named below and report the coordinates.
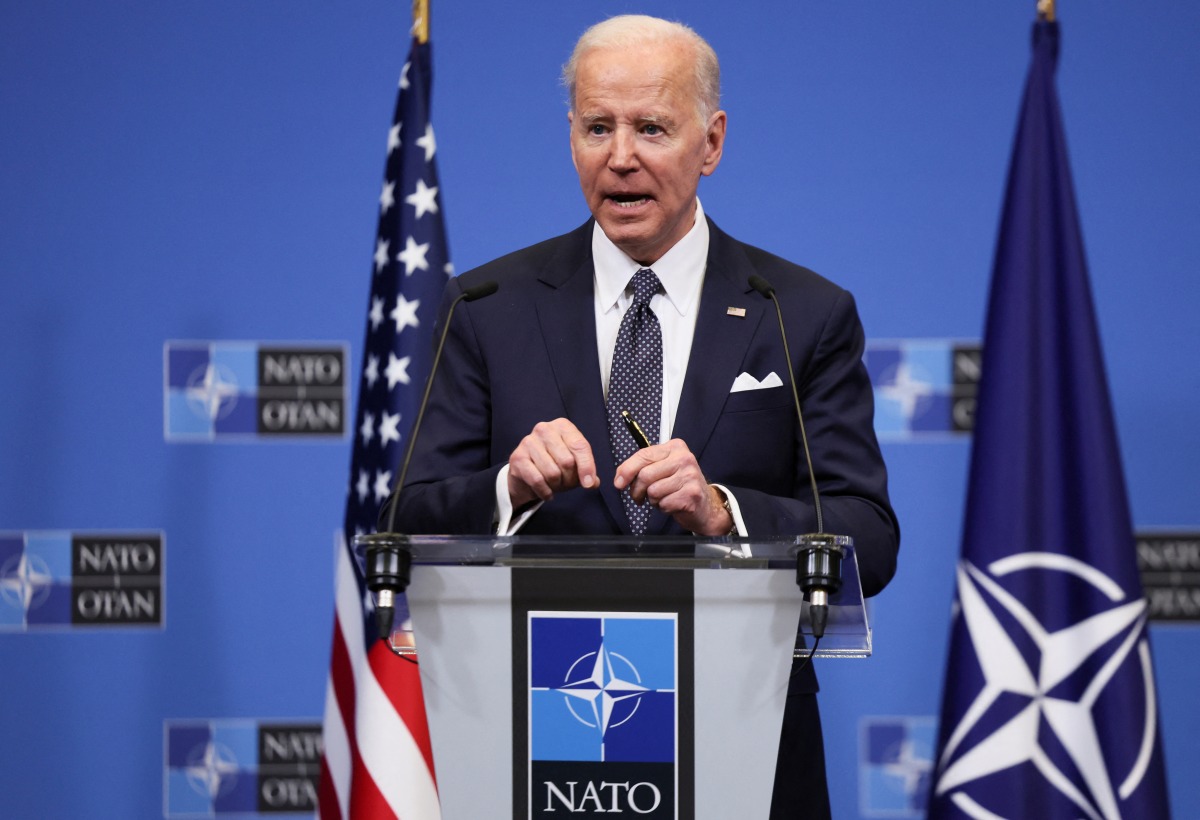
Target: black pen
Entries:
(636, 431)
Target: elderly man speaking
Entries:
(645, 312)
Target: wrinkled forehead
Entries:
(652, 74)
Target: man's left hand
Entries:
(669, 475)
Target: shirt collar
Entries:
(681, 269)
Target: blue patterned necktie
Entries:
(635, 383)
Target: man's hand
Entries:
(669, 475)
(553, 458)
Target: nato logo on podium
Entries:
(603, 712)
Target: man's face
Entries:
(639, 146)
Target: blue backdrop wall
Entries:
(210, 170)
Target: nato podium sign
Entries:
(583, 677)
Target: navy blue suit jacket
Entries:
(528, 354)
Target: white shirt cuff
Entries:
(504, 510)
(739, 525)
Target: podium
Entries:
(582, 676)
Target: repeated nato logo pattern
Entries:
(62, 580)
(248, 390)
(895, 765)
(240, 767)
(923, 387)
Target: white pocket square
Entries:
(748, 382)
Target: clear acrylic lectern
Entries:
(583, 676)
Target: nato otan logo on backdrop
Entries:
(603, 714)
(240, 767)
(1169, 562)
(253, 390)
(923, 387)
(895, 764)
(65, 580)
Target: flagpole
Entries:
(1045, 10)
(420, 27)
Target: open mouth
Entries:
(628, 200)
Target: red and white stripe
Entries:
(378, 762)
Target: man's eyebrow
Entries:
(640, 119)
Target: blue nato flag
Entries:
(1049, 707)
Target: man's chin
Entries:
(630, 236)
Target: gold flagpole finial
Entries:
(1045, 10)
(420, 27)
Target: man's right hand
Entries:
(553, 458)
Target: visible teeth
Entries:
(629, 203)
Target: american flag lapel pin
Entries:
(736, 311)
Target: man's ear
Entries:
(571, 137)
(715, 142)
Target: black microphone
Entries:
(388, 558)
(819, 560)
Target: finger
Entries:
(674, 482)
(570, 451)
(582, 460)
(560, 462)
(550, 459)
(529, 467)
(631, 468)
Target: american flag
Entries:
(378, 762)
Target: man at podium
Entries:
(627, 378)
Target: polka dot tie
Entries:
(635, 383)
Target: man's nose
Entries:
(623, 156)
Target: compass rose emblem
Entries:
(1040, 687)
(607, 697)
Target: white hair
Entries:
(639, 30)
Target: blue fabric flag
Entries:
(1049, 708)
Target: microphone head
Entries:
(479, 291)
(761, 285)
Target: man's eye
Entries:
(597, 130)
(652, 130)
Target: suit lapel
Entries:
(719, 345)
(720, 342)
(568, 322)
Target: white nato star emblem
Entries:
(212, 391)
(909, 767)
(212, 769)
(906, 389)
(413, 256)
(25, 581)
(1107, 637)
(592, 682)
(424, 199)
